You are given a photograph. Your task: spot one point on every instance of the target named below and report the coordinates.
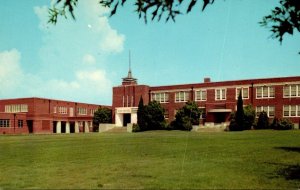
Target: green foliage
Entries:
(249, 117)
(141, 115)
(239, 115)
(282, 124)
(136, 128)
(157, 8)
(263, 121)
(187, 116)
(151, 116)
(102, 115)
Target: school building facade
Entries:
(278, 97)
(41, 115)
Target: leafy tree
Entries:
(283, 19)
(249, 117)
(154, 116)
(187, 116)
(263, 121)
(102, 115)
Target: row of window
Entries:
(6, 123)
(64, 110)
(16, 108)
(220, 94)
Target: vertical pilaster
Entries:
(86, 127)
(67, 127)
(76, 127)
(58, 127)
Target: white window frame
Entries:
(289, 86)
(161, 97)
(221, 93)
(186, 96)
(237, 92)
(16, 108)
(82, 111)
(297, 110)
(201, 95)
(62, 110)
(268, 90)
(265, 109)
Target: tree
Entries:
(239, 116)
(154, 116)
(102, 115)
(237, 120)
(187, 116)
(283, 19)
(263, 121)
(141, 115)
(249, 117)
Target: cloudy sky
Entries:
(82, 60)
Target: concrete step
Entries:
(117, 130)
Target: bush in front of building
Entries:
(282, 124)
(136, 128)
(186, 117)
(151, 116)
(263, 121)
(101, 115)
(249, 117)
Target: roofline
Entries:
(220, 82)
(54, 100)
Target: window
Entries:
(203, 112)
(182, 96)
(220, 94)
(292, 90)
(160, 97)
(166, 114)
(4, 122)
(200, 95)
(244, 91)
(62, 110)
(270, 110)
(20, 123)
(93, 112)
(291, 110)
(82, 111)
(265, 92)
(16, 108)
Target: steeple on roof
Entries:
(129, 80)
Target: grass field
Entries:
(160, 159)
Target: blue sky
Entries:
(82, 60)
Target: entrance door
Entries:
(126, 119)
(220, 117)
(30, 126)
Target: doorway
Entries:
(126, 119)
(30, 126)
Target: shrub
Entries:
(249, 117)
(186, 117)
(136, 128)
(233, 126)
(263, 121)
(282, 124)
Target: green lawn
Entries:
(159, 159)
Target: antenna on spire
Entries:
(129, 60)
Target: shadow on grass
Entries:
(289, 149)
(289, 172)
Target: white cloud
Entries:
(10, 72)
(71, 58)
(88, 85)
